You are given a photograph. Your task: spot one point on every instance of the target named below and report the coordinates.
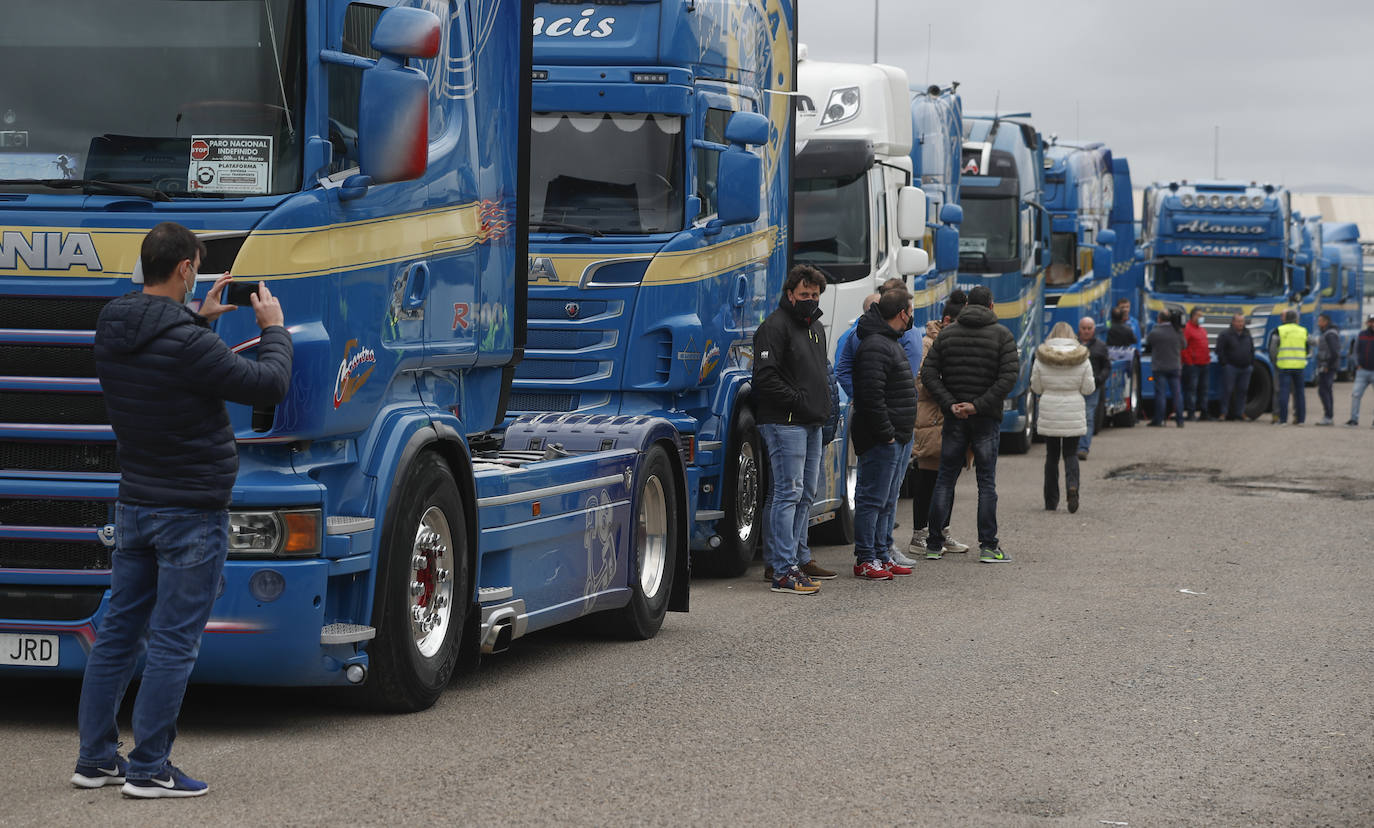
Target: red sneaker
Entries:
(895, 568)
(872, 571)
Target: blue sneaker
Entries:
(172, 782)
(92, 775)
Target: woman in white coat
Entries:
(1061, 375)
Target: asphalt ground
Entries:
(1193, 647)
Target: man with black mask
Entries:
(791, 403)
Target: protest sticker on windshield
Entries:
(230, 164)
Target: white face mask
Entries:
(190, 289)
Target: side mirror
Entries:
(912, 261)
(1107, 238)
(946, 249)
(1299, 279)
(952, 214)
(911, 214)
(1103, 257)
(740, 182)
(1138, 255)
(747, 128)
(1302, 259)
(393, 107)
(1042, 255)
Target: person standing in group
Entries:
(1235, 350)
(1124, 306)
(1119, 333)
(884, 421)
(970, 369)
(1364, 369)
(1328, 363)
(1062, 375)
(1290, 358)
(791, 404)
(1196, 359)
(925, 447)
(1101, 361)
(847, 345)
(1166, 347)
(165, 376)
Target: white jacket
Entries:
(1061, 375)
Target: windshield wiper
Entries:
(575, 228)
(89, 185)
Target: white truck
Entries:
(857, 217)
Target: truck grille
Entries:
(37, 554)
(51, 408)
(47, 512)
(90, 458)
(51, 313)
(48, 603)
(46, 361)
(541, 401)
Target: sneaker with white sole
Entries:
(898, 558)
(918, 541)
(872, 571)
(93, 775)
(995, 555)
(170, 783)
(952, 545)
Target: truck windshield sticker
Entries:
(1200, 226)
(230, 164)
(351, 374)
(583, 26)
(36, 164)
(974, 245)
(1219, 250)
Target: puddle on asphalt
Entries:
(1340, 488)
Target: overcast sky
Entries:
(1290, 84)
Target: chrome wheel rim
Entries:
(746, 491)
(653, 536)
(431, 582)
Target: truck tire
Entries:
(1019, 442)
(1259, 397)
(839, 530)
(423, 593)
(1127, 418)
(742, 500)
(658, 538)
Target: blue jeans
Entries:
(1195, 389)
(165, 576)
(880, 473)
(1363, 379)
(794, 458)
(982, 434)
(1167, 382)
(1292, 377)
(1235, 386)
(1090, 408)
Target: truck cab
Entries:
(937, 126)
(1003, 243)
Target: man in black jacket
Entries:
(884, 423)
(165, 376)
(970, 369)
(1328, 364)
(791, 403)
(1235, 350)
(1102, 367)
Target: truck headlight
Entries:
(1186, 200)
(1229, 201)
(291, 533)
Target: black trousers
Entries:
(922, 489)
(1054, 447)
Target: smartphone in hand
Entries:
(240, 293)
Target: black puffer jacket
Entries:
(165, 376)
(973, 360)
(1101, 359)
(884, 390)
(791, 371)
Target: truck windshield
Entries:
(1207, 276)
(612, 173)
(832, 226)
(988, 233)
(190, 97)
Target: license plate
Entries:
(24, 650)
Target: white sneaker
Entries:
(900, 559)
(952, 545)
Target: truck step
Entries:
(346, 633)
(486, 595)
(709, 514)
(347, 524)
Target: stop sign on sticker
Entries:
(199, 149)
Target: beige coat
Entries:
(925, 446)
(1061, 375)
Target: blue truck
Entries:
(1342, 287)
(1090, 205)
(660, 197)
(937, 127)
(390, 522)
(1231, 247)
(1004, 243)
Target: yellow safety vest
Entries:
(1292, 346)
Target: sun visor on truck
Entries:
(833, 159)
